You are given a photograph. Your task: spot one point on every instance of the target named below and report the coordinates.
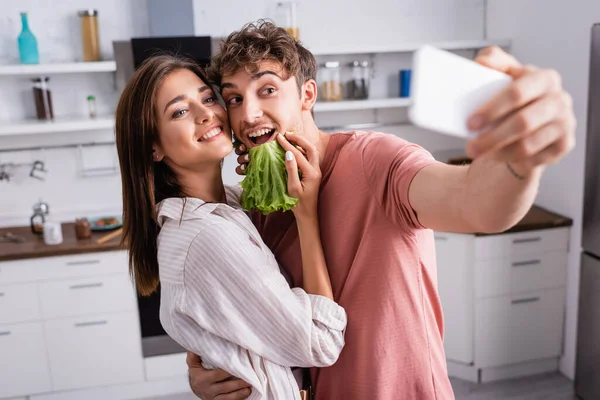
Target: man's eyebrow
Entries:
(183, 97)
(258, 75)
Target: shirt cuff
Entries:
(328, 312)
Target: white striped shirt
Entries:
(224, 298)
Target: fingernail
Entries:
(475, 122)
(247, 392)
(247, 157)
(242, 147)
(289, 132)
(289, 155)
(243, 167)
(280, 135)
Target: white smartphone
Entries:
(447, 88)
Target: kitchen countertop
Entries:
(34, 246)
(536, 218)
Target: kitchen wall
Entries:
(556, 34)
(56, 26)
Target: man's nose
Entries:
(252, 110)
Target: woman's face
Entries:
(193, 128)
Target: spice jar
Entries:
(285, 17)
(89, 35)
(83, 229)
(91, 100)
(42, 97)
(358, 86)
(330, 88)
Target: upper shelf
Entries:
(408, 47)
(63, 68)
(370, 104)
(72, 124)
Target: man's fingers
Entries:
(239, 394)
(531, 145)
(517, 94)
(241, 169)
(230, 386)
(193, 360)
(518, 125)
(218, 376)
(496, 58)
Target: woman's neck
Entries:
(206, 185)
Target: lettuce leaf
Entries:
(265, 184)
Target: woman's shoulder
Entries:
(233, 193)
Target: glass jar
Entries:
(89, 35)
(43, 98)
(330, 88)
(91, 101)
(285, 17)
(358, 86)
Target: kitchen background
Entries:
(548, 33)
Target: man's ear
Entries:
(309, 94)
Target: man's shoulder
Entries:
(361, 139)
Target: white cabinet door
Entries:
(95, 351)
(19, 303)
(87, 296)
(23, 360)
(515, 329)
(456, 288)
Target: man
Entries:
(380, 199)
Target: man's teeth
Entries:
(260, 132)
(211, 133)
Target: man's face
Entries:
(262, 104)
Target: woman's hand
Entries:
(306, 190)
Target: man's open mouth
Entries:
(262, 136)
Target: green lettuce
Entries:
(265, 184)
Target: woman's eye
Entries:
(179, 113)
(234, 100)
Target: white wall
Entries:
(56, 26)
(556, 34)
(328, 22)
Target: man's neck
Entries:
(317, 137)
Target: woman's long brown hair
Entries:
(144, 182)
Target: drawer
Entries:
(515, 329)
(64, 267)
(24, 361)
(521, 243)
(19, 303)
(86, 296)
(95, 351)
(520, 274)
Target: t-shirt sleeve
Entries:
(390, 164)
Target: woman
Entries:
(222, 294)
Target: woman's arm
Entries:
(314, 269)
(234, 290)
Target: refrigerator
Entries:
(587, 373)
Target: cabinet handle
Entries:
(91, 323)
(440, 238)
(527, 240)
(527, 300)
(526, 263)
(5, 333)
(86, 285)
(85, 262)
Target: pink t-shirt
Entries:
(382, 267)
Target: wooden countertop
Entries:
(536, 218)
(34, 246)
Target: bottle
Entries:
(91, 100)
(285, 17)
(89, 35)
(43, 98)
(28, 49)
(38, 219)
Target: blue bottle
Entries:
(28, 50)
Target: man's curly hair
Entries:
(261, 41)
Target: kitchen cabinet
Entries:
(503, 297)
(68, 322)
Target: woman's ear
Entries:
(309, 94)
(157, 156)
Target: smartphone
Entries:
(447, 88)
